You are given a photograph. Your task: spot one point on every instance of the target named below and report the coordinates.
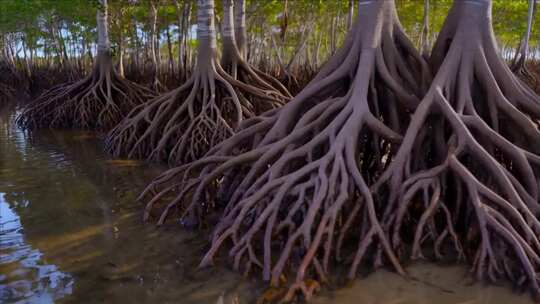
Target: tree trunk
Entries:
(284, 21)
(62, 44)
(240, 27)
(181, 21)
(153, 42)
(424, 35)
(137, 45)
(206, 32)
(333, 35)
(121, 44)
(103, 43)
(188, 11)
(520, 58)
(57, 45)
(25, 57)
(170, 50)
(89, 52)
(121, 52)
(230, 50)
(350, 15)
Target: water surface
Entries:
(71, 232)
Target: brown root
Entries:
(98, 101)
(286, 182)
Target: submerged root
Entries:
(470, 188)
(98, 101)
(182, 125)
(285, 183)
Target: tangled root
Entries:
(182, 125)
(9, 80)
(466, 178)
(98, 101)
(522, 70)
(527, 74)
(285, 183)
(7, 93)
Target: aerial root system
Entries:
(182, 125)
(7, 93)
(99, 101)
(471, 187)
(285, 184)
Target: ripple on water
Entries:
(82, 237)
(19, 262)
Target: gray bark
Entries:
(240, 27)
(153, 40)
(104, 44)
(350, 15)
(530, 15)
(206, 30)
(424, 38)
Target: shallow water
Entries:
(71, 232)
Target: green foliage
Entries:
(38, 22)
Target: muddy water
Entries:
(70, 232)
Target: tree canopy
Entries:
(43, 25)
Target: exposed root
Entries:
(524, 72)
(286, 182)
(239, 69)
(471, 186)
(98, 101)
(182, 125)
(7, 93)
(519, 64)
(9, 81)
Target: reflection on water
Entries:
(72, 233)
(18, 261)
(72, 230)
